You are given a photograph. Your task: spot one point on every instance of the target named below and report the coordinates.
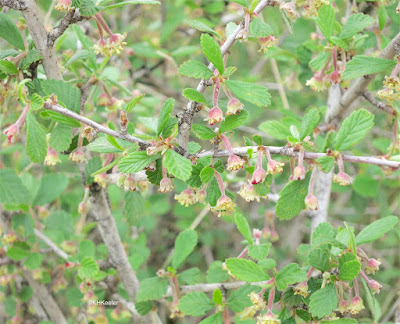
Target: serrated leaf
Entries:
(18, 252)
(130, 2)
(91, 167)
(195, 70)
(326, 163)
(212, 51)
(89, 8)
(88, 268)
(202, 27)
(152, 289)
(260, 251)
(341, 321)
(291, 198)
(194, 95)
(33, 261)
(193, 147)
(213, 319)
(349, 267)
(136, 161)
(353, 129)
(184, 245)
(355, 24)
(229, 71)
(51, 187)
(206, 174)
(318, 62)
(178, 165)
(310, 121)
(67, 95)
(36, 102)
(61, 138)
(239, 299)
(10, 32)
(251, 92)
(8, 67)
(217, 296)
(243, 227)
(362, 65)
(323, 302)
(102, 145)
(275, 129)
(260, 29)
(107, 167)
(68, 121)
(245, 270)
(203, 132)
(156, 176)
(165, 114)
(319, 259)
(133, 102)
(78, 56)
(213, 192)
(195, 304)
(232, 121)
(12, 190)
(326, 20)
(195, 181)
(289, 275)
(376, 230)
(36, 144)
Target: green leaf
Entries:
(194, 95)
(136, 162)
(36, 102)
(229, 71)
(9, 31)
(61, 138)
(371, 301)
(291, 198)
(102, 145)
(213, 192)
(239, 299)
(195, 181)
(89, 8)
(91, 167)
(326, 163)
(318, 62)
(310, 121)
(33, 56)
(354, 128)
(165, 115)
(36, 144)
(67, 95)
(88, 268)
(260, 29)
(12, 190)
(156, 176)
(107, 167)
(152, 289)
(206, 174)
(8, 67)
(33, 261)
(217, 296)
(355, 24)
(366, 186)
(130, 2)
(133, 102)
(18, 252)
(216, 274)
(243, 227)
(195, 70)
(184, 245)
(319, 259)
(376, 230)
(341, 321)
(251, 92)
(275, 129)
(193, 147)
(195, 304)
(362, 65)
(323, 301)
(326, 20)
(213, 319)
(202, 27)
(178, 165)
(259, 252)
(114, 142)
(203, 132)
(289, 275)
(212, 51)
(233, 121)
(51, 187)
(303, 314)
(78, 56)
(349, 267)
(245, 270)
(68, 121)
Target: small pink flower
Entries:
(248, 193)
(215, 116)
(101, 179)
(234, 107)
(11, 131)
(130, 184)
(201, 196)
(356, 305)
(301, 289)
(343, 307)
(372, 266)
(375, 286)
(342, 178)
(166, 185)
(267, 42)
(83, 208)
(186, 197)
(77, 156)
(318, 82)
(104, 99)
(334, 77)
(258, 176)
(275, 167)
(235, 163)
(299, 172)
(52, 157)
(268, 318)
(64, 5)
(224, 206)
(311, 202)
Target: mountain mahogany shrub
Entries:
(96, 124)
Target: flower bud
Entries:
(299, 172)
(334, 77)
(311, 202)
(268, 318)
(234, 107)
(372, 266)
(257, 233)
(166, 185)
(201, 196)
(342, 178)
(318, 82)
(130, 184)
(103, 100)
(77, 156)
(186, 197)
(274, 236)
(64, 5)
(215, 116)
(375, 286)
(356, 305)
(121, 180)
(52, 157)
(224, 206)
(83, 208)
(301, 289)
(248, 193)
(258, 176)
(11, 131)
(275, 167)
(267, 42)
(343, 306)
(234, 163)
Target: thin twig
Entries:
(51, 244)
(378, 104)
(13, 4)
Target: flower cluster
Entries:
(112, 46)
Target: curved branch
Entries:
(13, 4)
